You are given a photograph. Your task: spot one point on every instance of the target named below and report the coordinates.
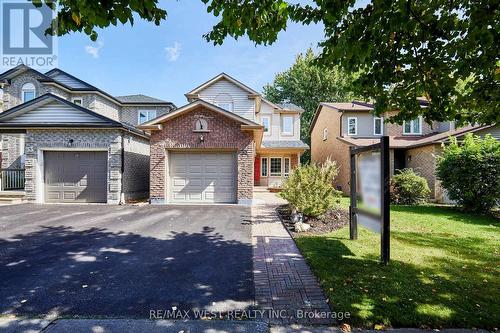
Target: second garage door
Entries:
(75, 176)
(202, 177)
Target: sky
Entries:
(169, 60)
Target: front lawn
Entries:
(444, 270)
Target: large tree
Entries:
(306, 84)
(403, 48)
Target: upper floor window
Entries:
(201, 125)
(352, 126)
(325, 134)
(266, 122)
(146, 115)
(78, 101)
(287, 125)
(378, 126)
(28, 92)
(413, 126)
(228, 106)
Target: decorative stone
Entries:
(302, 227)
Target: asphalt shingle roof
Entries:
(285, 144)
(142, 99)
(290, 106)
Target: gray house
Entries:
(64, 140)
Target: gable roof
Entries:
(68, 80)
(188, 107)
(35, 113)
(13, 72)
(218, 78)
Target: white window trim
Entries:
(261, 167)
(284, 163)
(325, 134)
(270, 122)
(77, 99)
(283, 127)
(411, 127)
(381, 125)
(228, 103)
(25, 90)
(355, 125)
(148, 118)
(281, 166)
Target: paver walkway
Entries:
(284, 285)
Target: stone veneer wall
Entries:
(11, 151)
(225, 134)
(48, 139)
(136, 172)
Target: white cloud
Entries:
(94, 50)
(173, 52)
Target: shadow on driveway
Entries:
(196, 260)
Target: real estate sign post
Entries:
(370, 177)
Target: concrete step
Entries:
(12, 197)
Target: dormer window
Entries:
(28, 92)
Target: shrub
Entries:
(408, 188)
(469, 171)
(309, 188)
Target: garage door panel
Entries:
(75, 176)
(208, 177)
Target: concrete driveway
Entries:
(94, 260)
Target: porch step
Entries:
(12, 197)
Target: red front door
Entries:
(256, 170)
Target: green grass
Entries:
(444, 270)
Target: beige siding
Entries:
(267, 110)
(225, 91)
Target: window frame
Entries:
(285, 164)
(411, 122)
(271, 174)
(24, 90)
(355, 126)
(325, 134)
(74, 99)
(231, 104)
(268, 132)
(262, 167)
(381, 125)
(148, 117)
(283, 125)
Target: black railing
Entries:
(12, 179)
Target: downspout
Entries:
(340, 127)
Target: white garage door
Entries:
(202, 177)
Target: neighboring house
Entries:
(415, 144)
(225, 141)
(64, 140)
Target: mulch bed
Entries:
(332, 220)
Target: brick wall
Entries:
(423, 161)
(225, 134)
(332, 147)
(47, 139)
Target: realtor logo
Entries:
(24, 37)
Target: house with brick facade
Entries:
(225, 141)
(415, 144)
(64, 140)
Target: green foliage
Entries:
(86, 15)
(306, 84)
(444, 50)
(408, 188)
(470, 172)
(309, 188)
